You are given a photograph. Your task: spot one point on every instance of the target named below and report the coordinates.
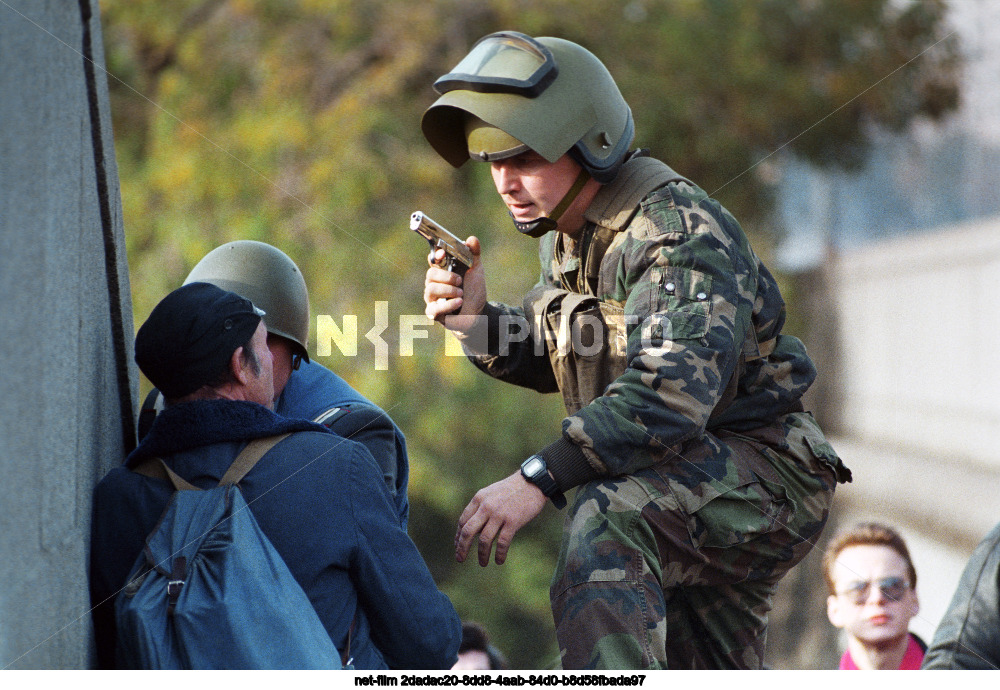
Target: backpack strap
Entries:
(156, 468)
(249, 457)
(244, 462)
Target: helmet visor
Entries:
(505, 62)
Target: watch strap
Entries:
(545, 483)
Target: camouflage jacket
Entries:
(657, 323)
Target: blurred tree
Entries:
(296, 122)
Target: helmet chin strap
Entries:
(539, 226)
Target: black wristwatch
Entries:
(536, 471)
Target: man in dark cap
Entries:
(303, 388)
(319, 498)
(203, 342)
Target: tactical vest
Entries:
(586, 338)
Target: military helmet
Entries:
(513, 92)
(266, 276)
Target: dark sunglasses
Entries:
(892, 588)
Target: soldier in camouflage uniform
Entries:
(700, 478)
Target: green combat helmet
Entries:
(513, 92)
(266, 276)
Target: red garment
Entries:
(911, 659)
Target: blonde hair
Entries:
(866, 534)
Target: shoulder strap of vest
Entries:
(615, 206)
(616, 203)
(244, 462)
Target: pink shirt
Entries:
(911, 659)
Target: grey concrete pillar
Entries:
(68, 388)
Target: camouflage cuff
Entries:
(568, 464)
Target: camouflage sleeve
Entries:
(688, 280)
(508, 351)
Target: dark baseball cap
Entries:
(191, 335)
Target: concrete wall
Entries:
(924, 349)
(906, 336)
(919, 379)
(67, 383)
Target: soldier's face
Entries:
(874, 602)
(531, 187)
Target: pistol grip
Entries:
(449, 262)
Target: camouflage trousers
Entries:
(675, 566)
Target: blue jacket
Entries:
(321, 501)
(313, 390)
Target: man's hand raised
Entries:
(449, 295)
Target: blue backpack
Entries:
(210, 591)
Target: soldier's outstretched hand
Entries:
(497, 512)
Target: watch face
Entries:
(533, 467)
